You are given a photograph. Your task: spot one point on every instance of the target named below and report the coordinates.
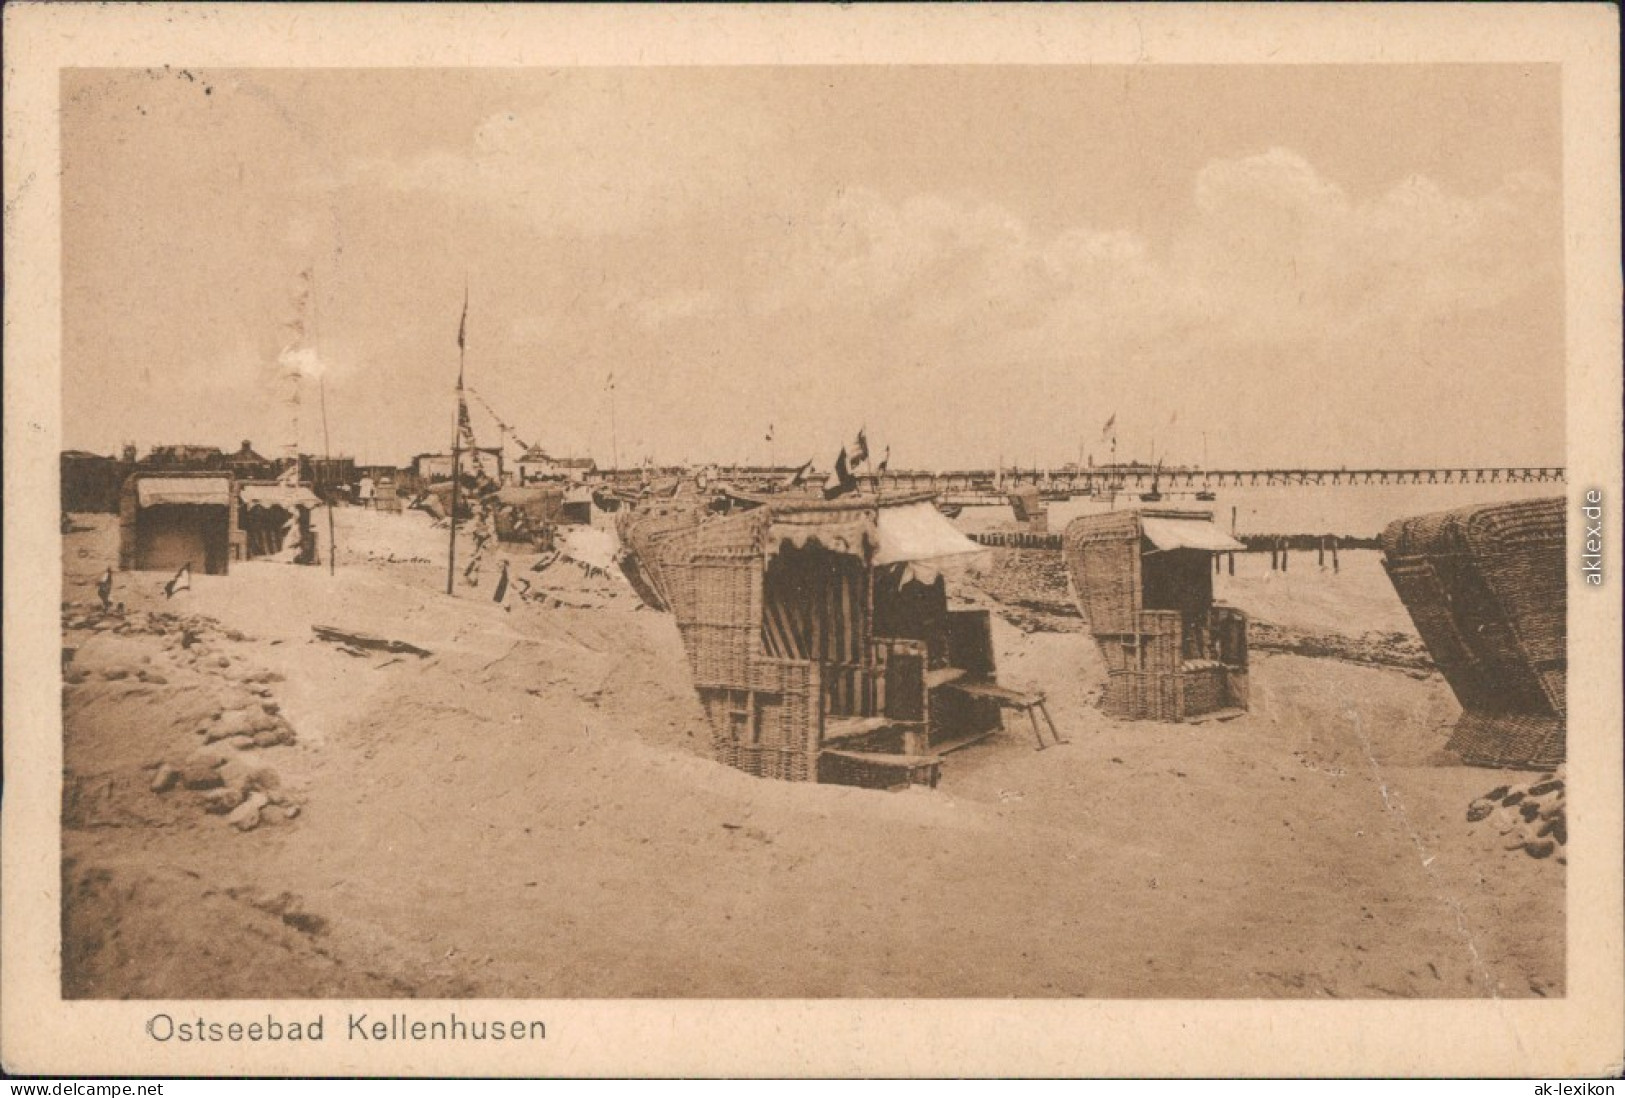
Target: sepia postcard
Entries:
(899, 540)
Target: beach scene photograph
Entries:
(812, 531)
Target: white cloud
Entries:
(592, 162)
(1280, 291)
(1274, 254)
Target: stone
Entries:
(1529, 810)
(201, 772)
(1540, 789)
(291, 812)
(246, 816)
(262, 778)
(1497, 793)
(220, 801)
(1512, 798)
(1540, 848)
(1479, 809)
(239, 722)
(165, 779)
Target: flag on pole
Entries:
(1106, 431)
(181, 582)
(885, 461)
(462, 333)
(104, 590)
(860, 448)
(795, 479)
(769, 432)
(841, 481)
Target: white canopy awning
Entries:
(285, 496)
(919, 532)
(162, 491)
(1181, 533)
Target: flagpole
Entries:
(614, 437)
(456, 447)
(327, 447)
(327, 457)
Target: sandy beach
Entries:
(529, 810)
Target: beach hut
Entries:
(1144, 582)
(1487, 590)
(819, 634)
(269, 512)
(167, 520)
(529, 514)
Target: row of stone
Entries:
(1532, 816)
(246, 795)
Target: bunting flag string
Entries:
(501, 426)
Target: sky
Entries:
(1251, 266)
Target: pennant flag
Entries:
(181, 582)
(609, 382)
(795, 479)
(860, 449)
(885, 461)
(104, 589)
(769, 432)
(465, 427)
(1106, 431)
(502, 585)
(841, 481)
(462, 332)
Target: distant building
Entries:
(245, 464)
(537, 466)
(185, 456)
(91, 482)
(329, 477)
(435, 468)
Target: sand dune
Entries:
(529, 811)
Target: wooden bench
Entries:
(850, 728)
(1029, 703)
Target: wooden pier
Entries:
(987, 486)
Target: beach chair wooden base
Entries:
(877, 769)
